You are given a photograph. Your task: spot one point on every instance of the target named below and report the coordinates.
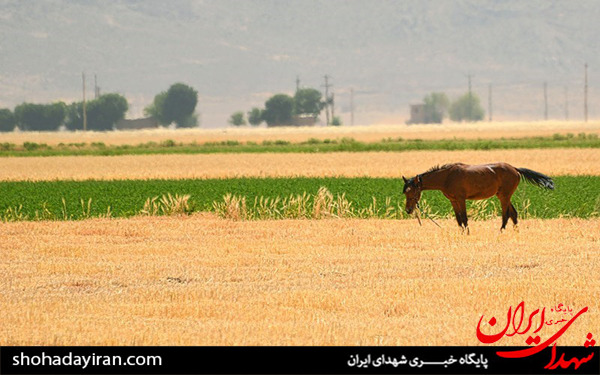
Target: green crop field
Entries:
(312, 145)
(574, 196)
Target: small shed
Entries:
(417, 114)
(137, 124)
(299, 120)
(304, 120)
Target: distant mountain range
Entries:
(237, 53)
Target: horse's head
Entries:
(412, 190)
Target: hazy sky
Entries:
(238, 53)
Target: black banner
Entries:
(295, 360)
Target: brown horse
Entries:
(459, 182)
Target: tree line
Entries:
(465, 108)
(176, 105)
(283, 109)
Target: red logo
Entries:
(518, 324)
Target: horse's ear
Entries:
(405, 180)
(418, 180)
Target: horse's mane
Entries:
(439, 168)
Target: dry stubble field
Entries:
(200, 280)
(370, 133)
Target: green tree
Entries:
(336, 121)
(279, 110)
(179, 105)
(102, 113)
(308, 102)
(156, 108)
(466, 108)
(189, 122)
(74, 118)
(237, 119)
(255, 116)
(436, 107)
(7, 120)
(40, 117)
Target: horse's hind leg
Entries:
(505, 192)
(505, 204)
(513, 214)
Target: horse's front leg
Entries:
(463, 210)
(457, 213)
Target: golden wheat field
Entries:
(348, 164)
(201, 280)
(364, 133)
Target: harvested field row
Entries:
(313, 145)
(348, 164)
(199, 280)
(372, 133)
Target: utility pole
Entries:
(332, 106)
(566, 103)
(327, 86)
(352, 106)
(546, 101)
(96, 88)
(470, 98)
(490, 102)
(297, 83)
(84, 110)
(585, 95)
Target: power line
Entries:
(566, 103)
(585, 95)
(84, 109)
(352, 106)
(96, 88)
(332, 106)
(490, 102)
(545, 100)
(327, 86)
(470, 99)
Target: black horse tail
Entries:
(536, 178)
